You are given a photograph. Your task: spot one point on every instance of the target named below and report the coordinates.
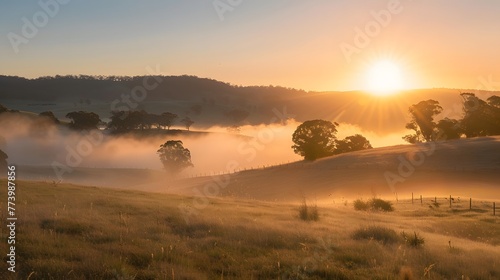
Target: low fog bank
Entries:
(29, 141)
(466, 167)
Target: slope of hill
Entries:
(467, 167)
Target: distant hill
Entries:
(207, 101)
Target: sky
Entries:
(320, 45)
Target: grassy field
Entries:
(74, 232)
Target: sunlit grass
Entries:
(72, 232)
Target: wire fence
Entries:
(452, 202)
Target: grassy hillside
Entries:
(74, 232)
(467, 167)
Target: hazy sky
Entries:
(439, 43)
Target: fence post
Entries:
(411, 198)
(450, 200)
(470, 203)
(421, 202)
(494, 208)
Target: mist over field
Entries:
(28, 141)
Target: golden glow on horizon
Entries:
(384, 78)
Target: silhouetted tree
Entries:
(152, 120)
(188, 122)
(174, 156)
(167, 119)
(315, 139)
(352, 143)
(137, 120)
(43, 125)
(449, 129)
(83, 120)
(422, 121)
(118, 121)
(49, 116)
(480, 118)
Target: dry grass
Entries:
(382, 234)
(413, 240)
(72, 232)
(307, 212)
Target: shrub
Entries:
(308, 213)
(360, 205)
(382, 234)
(375, 204)
(413, 240)
(382, 205)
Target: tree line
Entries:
(121, 121)
(131, 120)
(480, 118)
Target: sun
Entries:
(384, 78)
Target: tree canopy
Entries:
(352, 143)
(188, 122)
(315, 139)
(83, 120)
(481, 118)
(174, 156)
(49, 115)
(422, 121)
(449, 129)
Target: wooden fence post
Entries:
(421, 202)
(470, 203)
(450, 200)
(411, 198)
(494, 208)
